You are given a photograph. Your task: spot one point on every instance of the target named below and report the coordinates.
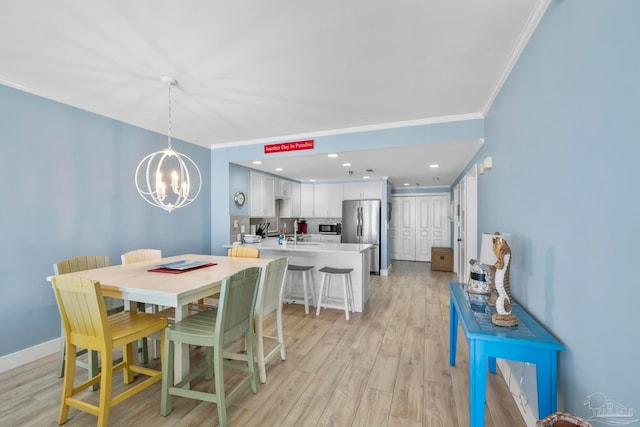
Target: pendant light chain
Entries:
(169, 118)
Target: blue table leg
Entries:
(477, 382)
(492, 365)
(453, 332)
(546, 371)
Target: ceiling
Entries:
(255, 71)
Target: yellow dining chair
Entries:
(268, 300)
(87, 325)
(112, 305)
(137, 256)
(244, 252)
(214, 329)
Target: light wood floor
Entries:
(387, 366)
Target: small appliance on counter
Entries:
(261, 229)
(330, 228)
(302, 226)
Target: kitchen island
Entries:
(338, 255)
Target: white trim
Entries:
(527, 32)
(27, 355)
(367, 128)
(529, 417)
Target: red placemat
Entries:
(174, 271)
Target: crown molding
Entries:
(532, 23)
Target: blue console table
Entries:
(526, 342)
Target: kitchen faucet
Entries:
(295, 232)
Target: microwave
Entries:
(330, 228)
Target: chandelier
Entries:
(164, 178)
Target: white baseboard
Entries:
(527, 412)
(28, 355)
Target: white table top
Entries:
(134, 283)
(272, 244)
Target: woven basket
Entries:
(562, 419)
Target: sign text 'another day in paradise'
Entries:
(288, 146)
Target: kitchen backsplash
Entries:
(275, 225)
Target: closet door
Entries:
(418, 224)
(403, 229)
(432, 225)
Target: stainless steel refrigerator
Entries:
(361, 224)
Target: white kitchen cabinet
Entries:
(290, 207)
(328, 201)
(307, 192)
(321, 200)
(283, 188)
(262, 201)
(362, 190)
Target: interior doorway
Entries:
(466, 223)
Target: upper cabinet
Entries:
(328, 201)
(290, 207)
(362, 190)
(262, 200)
(283, 188)
(321, 200)
(307, 200)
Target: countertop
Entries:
(272, 244)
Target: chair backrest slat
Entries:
(237, 303)
(81, 263)
(270, 292)
(82, 310)
(141, 255)
(244, 252)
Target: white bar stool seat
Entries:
(308, 287)
(347, 289)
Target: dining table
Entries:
(169, 287)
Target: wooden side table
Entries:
(526, 342)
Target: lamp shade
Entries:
(486, 247)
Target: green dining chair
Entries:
(268, 300)
(213, 329)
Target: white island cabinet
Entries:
(338, 255)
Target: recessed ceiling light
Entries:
(366, 177)
(279, 169)
(434, 166)
(406, 184)
(332, 155)
(257, 162)
(312, 180)
(346, 165)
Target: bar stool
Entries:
(347, 289)
(307, 284)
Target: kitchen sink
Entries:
(307, 243)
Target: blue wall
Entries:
(68, 190)
(563, 134)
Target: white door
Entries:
(432, 225)
(406, 211)
(418, 224)
(467, 247)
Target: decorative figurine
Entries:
(504, 316)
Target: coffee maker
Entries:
(302, 226)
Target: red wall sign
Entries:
(288, 146)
